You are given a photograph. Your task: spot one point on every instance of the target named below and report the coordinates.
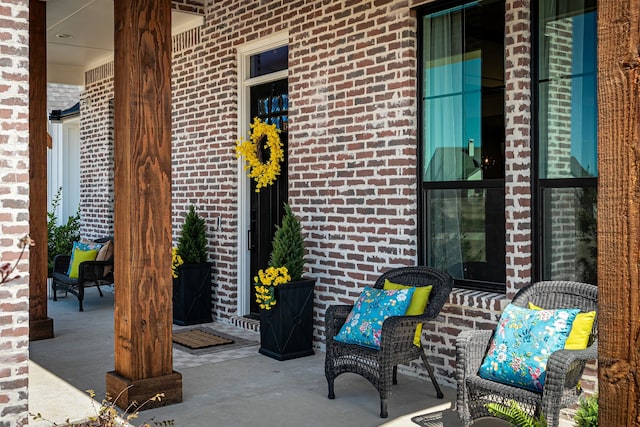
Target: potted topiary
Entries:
(285, 296)
(192, 286)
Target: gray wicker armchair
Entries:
(564, 367)
(397, 347)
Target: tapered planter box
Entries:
(286, 331)
(192, 294)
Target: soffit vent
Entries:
(186, 39)
(102, 72)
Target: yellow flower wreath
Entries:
(263, 173)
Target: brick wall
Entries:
(192, 6)
(352, 148)
(96, 154)
(14, 215)
(518, 155)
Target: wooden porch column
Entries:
(142, 229)
(619, 212)
(40, 326)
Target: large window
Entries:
(462, 218)
(567, 139)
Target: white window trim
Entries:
(244, 110)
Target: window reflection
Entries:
(571, 237)
(467, 233)
(568, 96)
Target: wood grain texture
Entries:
(38, 168)
(619, 212)
(142, 151)
(141, 391)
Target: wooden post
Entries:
(142, 230)
(619, 212)
(40, 326)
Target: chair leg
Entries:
(55, 290)
(383, 408)
(332, 394)
(395, 375)
(99, 291)
(439, 393)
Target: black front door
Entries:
(269, 102)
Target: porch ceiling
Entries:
(90, 27)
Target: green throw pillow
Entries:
(80, 256)
(417, 305)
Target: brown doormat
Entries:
(196, 338)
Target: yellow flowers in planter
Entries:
(266, 281)
(176, 261)
(264, 139)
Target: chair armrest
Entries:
(92, 271)
(471, 346)
(398, 332)
(565, 367)
(61, 263)
(335, 317)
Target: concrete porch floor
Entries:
(236, 387)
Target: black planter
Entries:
(192, 294)
(286, 331)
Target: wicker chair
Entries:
(564, 367)
(397, 347)
(90, 273)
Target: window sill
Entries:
(468, 298)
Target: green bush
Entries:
(587, 413)
(288, 245)
(192, 243)
(60, 238)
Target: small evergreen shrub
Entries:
(288, 246)
(192, 243)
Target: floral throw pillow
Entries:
(522, 343)
(364, 323)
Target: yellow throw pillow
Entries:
(81, 256)
(417, 305)
(578, 338)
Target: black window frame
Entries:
(540, 185)
(424, 187)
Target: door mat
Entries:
(196, 338)
(237, 342)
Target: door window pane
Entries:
(269, 62)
